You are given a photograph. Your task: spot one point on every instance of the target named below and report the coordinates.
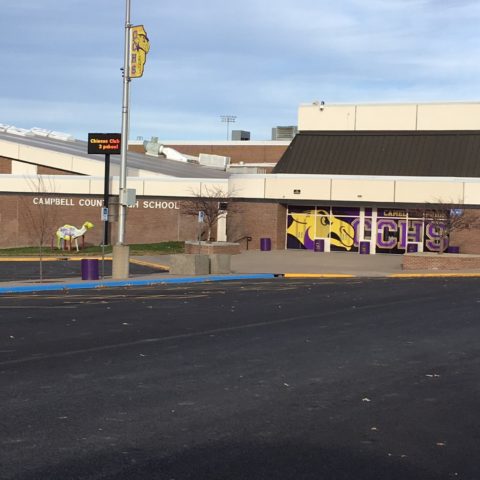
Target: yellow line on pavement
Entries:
(149, 264)
(157, 266)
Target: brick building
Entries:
(353, 185)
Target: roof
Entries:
(386, 153)
(141, 161)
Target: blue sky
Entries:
(258, 60)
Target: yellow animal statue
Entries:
(70, 232)
(307, 226)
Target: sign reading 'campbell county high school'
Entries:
(104, 143)
(97, 202)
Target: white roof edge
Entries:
(130, 177)
(391, 178)
(387, 104)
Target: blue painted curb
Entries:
(131, 283)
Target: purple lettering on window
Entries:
(434, 233)
(385, 227)
(415, 229)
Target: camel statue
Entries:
(69, 232)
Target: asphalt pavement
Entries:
(289, 379)
(144, 270)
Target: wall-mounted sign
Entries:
(104, 214)
(104, 143)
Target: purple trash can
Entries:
(319, 245)
(365, 248)
(412, 248)
(265, 244)
(89, 269)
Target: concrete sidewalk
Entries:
(252, 264)
(309, 262)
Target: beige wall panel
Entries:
(17, 183)
(115, 185)
(147, 173)
(22, 168)
(457, 116)
(91, 167)
(97, 185)
(69, 184)
(335, 117)
(209, 188)
(247, 187)
(173, 188)
(407, 116)
(428, 192)
(363, 190)
(472, 193)
(137, 185)
(9, 149)
(310, 187)
(9, 183)
(48, 158)
(386, 117)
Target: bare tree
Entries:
(41, 217)
(447, 218)
(213, 202)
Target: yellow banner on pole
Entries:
(139, 47)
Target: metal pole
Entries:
(106, 194)
(122, 212)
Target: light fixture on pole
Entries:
(228, 119)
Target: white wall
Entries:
(284, 188)
(406, 116)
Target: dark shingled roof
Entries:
(395, 153)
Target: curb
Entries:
(99, 284)
(130, 283)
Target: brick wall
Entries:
(41, 170)
(468, 240)
(237, 153)
(212, 248)
(152, 220)
(157, 220)
(257, 220)
(5, 165)
(9, 211)
(444, 261)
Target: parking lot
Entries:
(29, 270)
(291, 379)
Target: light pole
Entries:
(228, 119)
(120, 262)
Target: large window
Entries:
(387, 230)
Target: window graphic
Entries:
(391, 229)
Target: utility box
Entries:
(240, 135)
(128, 197)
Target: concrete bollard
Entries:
(220, 263)
(189, 264)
